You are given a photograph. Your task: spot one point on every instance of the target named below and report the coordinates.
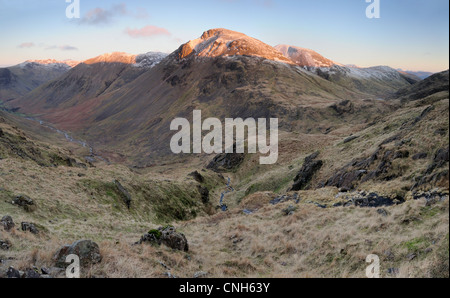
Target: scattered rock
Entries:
(289, 210)
(31, 273)
(389, 255)
(13, 273)
(5, 245)
(441, 131)
(393, 271)
(87, 250)
(24, 202)
(431, 197)
(306, 173)
(411, 257)
(167, 236)
(401, 154)
(285, 198)
(200, 274)
(382, 212)
(369, 200)
(29, 227)
(248, 211)
(7, 223)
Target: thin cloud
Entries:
(26, 45)
(147, 31)
(101, 16)
(62, 48)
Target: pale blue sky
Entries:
(411, 34)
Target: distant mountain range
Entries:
(421, 74)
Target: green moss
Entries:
(416, 244)
(156, 233)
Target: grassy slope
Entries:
(311, 243)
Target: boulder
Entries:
(87, 250)
(31, 273)
(29, 227)
(167, 236)
(13, 273)
(24, 202)
(7, 223)
(5, 245)
(174, 240)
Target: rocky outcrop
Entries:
(124, 193)
(204, 193)
(367, 200)
(310, 167)
(197, 177)
(226, 162)
(167, 236)
(87, 250)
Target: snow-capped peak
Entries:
(305, 57)
(50, 63)
(147, 60)
(227, 43)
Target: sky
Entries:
(410, 34)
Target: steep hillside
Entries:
(127, 110)
(387, 195)
(18, 80)
(436, 83)
(305, 57)
(77, 91)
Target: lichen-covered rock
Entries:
(25, 202)
(167, 236)
(87, 250)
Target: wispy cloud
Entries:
(26, 45)
(147, 31)
(101, 16)
(62, 48)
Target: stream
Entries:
(223, 206)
